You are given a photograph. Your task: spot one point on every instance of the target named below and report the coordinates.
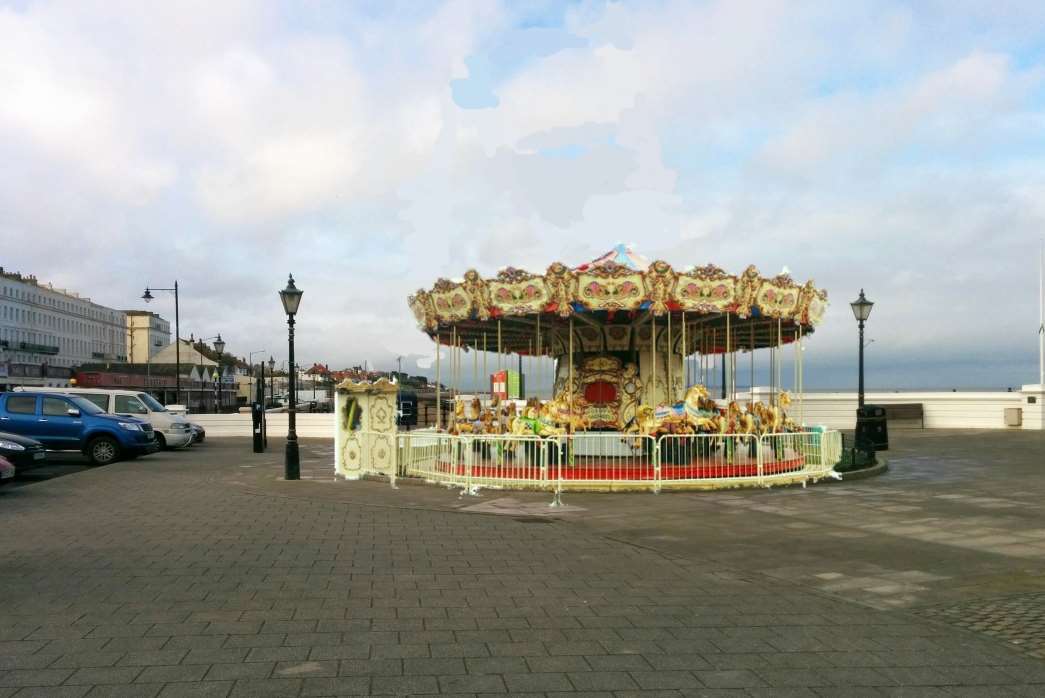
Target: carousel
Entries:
(640, 361)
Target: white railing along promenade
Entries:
(613, 461)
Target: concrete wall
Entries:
(942, 410)
(308, 425)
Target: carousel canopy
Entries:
(611, 298)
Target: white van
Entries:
(172, 430)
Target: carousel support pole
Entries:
(780, 357)
(705, 358)
(569, 427)
(751, 383)
(438, 382)
(685, 355)
(475, 372)
(794, 362)
(725, 362)
(537, 355)
(714, 359)
(653, 360)
(500, 346)
(801, 377)
(671, 384)
(486, 375)
(529, 360)
(772, 366)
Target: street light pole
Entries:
(861, 311)
(291, 298)
(147, 296)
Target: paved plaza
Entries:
(202, 574)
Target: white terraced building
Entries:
(46, 331)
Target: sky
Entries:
(372, 147)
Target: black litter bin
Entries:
(872, 433)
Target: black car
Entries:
(23, 452)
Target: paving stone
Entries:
(136, 690)
(471, 683)
(336, 686)
(34, 677)
(170, 674)
(558, 663)
(602, 681)
(664, 679)
(248, 688)
(537, 682)
(279, 654)
(239, 670)
(370, 667)
(729, 679)
(306, 668)
(404, 685)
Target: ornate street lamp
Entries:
(291, 297)
(147, 296)
(219, 346)
(861, 310)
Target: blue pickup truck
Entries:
(70, 423)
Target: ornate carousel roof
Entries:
(614, 289)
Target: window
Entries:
(99, 400)
(55, 407)
(21, 404)
(128, 404)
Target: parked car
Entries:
(7, 471)
(198, 433)
(172, 431)
(23, 452)
(70, 423)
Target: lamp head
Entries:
(291, 297)
(861, 307)
(219, 345)
(147, 296)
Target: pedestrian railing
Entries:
(607, 461)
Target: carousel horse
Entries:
(644, 423)
(460, 423)
(560, 414)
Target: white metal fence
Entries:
(608, 461)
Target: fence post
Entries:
(557, 496)
(656, 462)
(544, 460)
(760, 461)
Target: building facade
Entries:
(147, 334)
(45, 332)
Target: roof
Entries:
(621, 255)
(189, 355)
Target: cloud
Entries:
(373, 148)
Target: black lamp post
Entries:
(219, 346)
(147, 296)
(861, 310)
(291, 297)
